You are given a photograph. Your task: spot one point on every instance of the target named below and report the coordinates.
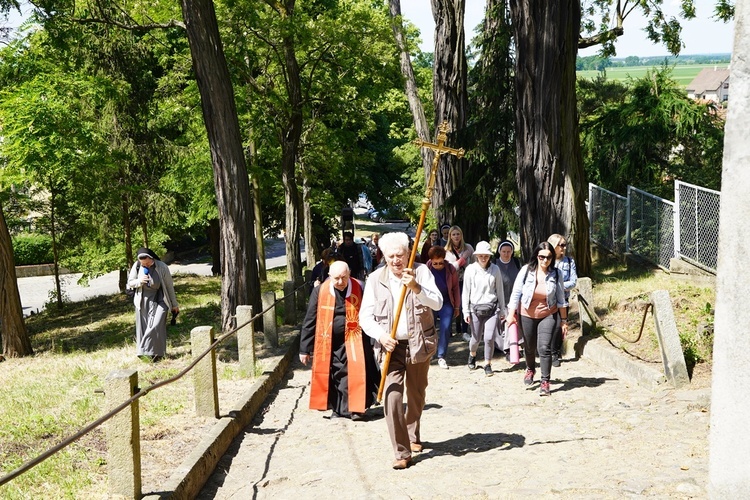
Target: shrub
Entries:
(32, 248)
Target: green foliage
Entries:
(491, 179)
(32, 248)
(647, 132)
(353, 110)
(603, 17)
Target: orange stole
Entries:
(355, 354)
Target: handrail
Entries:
(141, 392)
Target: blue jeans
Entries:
(444, 316)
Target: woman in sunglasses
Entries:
(567, 266)
(539, 289)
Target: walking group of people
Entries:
(401, 317)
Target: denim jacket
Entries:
(523, 289)
(570, 276)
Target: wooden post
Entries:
(270, 330)
(586, 306)
(204, 373)
(246, 340)
(123, 436)
(300, 297)
(290, 308)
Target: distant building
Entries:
(710, 85)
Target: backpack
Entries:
(130, 292)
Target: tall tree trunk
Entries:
(214, 242)
(55, 246)
(451, 105)
(239, 284)
(15, 338)
(260, 246)
(549, 168)
(128, 237)
(144, 227)
(410, 87)
(311, 242)
(290, 139)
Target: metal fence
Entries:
(650, 227)
(608, 219)
(658, 229)
(697, 231)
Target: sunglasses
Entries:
(544, 257)
(562, 245)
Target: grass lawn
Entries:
(56, 392)
(682, 74)
(51, 395)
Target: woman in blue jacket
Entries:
(567, 266)
(539, 289)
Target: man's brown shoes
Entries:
(402, 463)
(415, 447)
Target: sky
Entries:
(702, 35)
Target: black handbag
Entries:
(484, 311)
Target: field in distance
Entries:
(682, 74)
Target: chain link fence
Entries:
(608, 219)
(650, 227)
(697, 231)
(658, 229)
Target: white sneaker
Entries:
(442, 363)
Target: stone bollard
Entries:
(246, 340)
(672, 356)
(301, 297)
(123, 436)
(270, 330)
(586, 306)
(290, 308)
(204, 373)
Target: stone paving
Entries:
(596, 436)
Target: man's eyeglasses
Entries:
(544, 257)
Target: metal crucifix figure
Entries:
(439, 149)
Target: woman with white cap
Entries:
(154, 297)
(483, 303)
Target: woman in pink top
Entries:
(459, 254)
(540, 291)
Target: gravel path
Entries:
(485, 437)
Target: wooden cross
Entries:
(439, 149)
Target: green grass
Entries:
(56, 392)
(620, 296)
(682, 74)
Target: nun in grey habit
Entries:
(154, 298)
